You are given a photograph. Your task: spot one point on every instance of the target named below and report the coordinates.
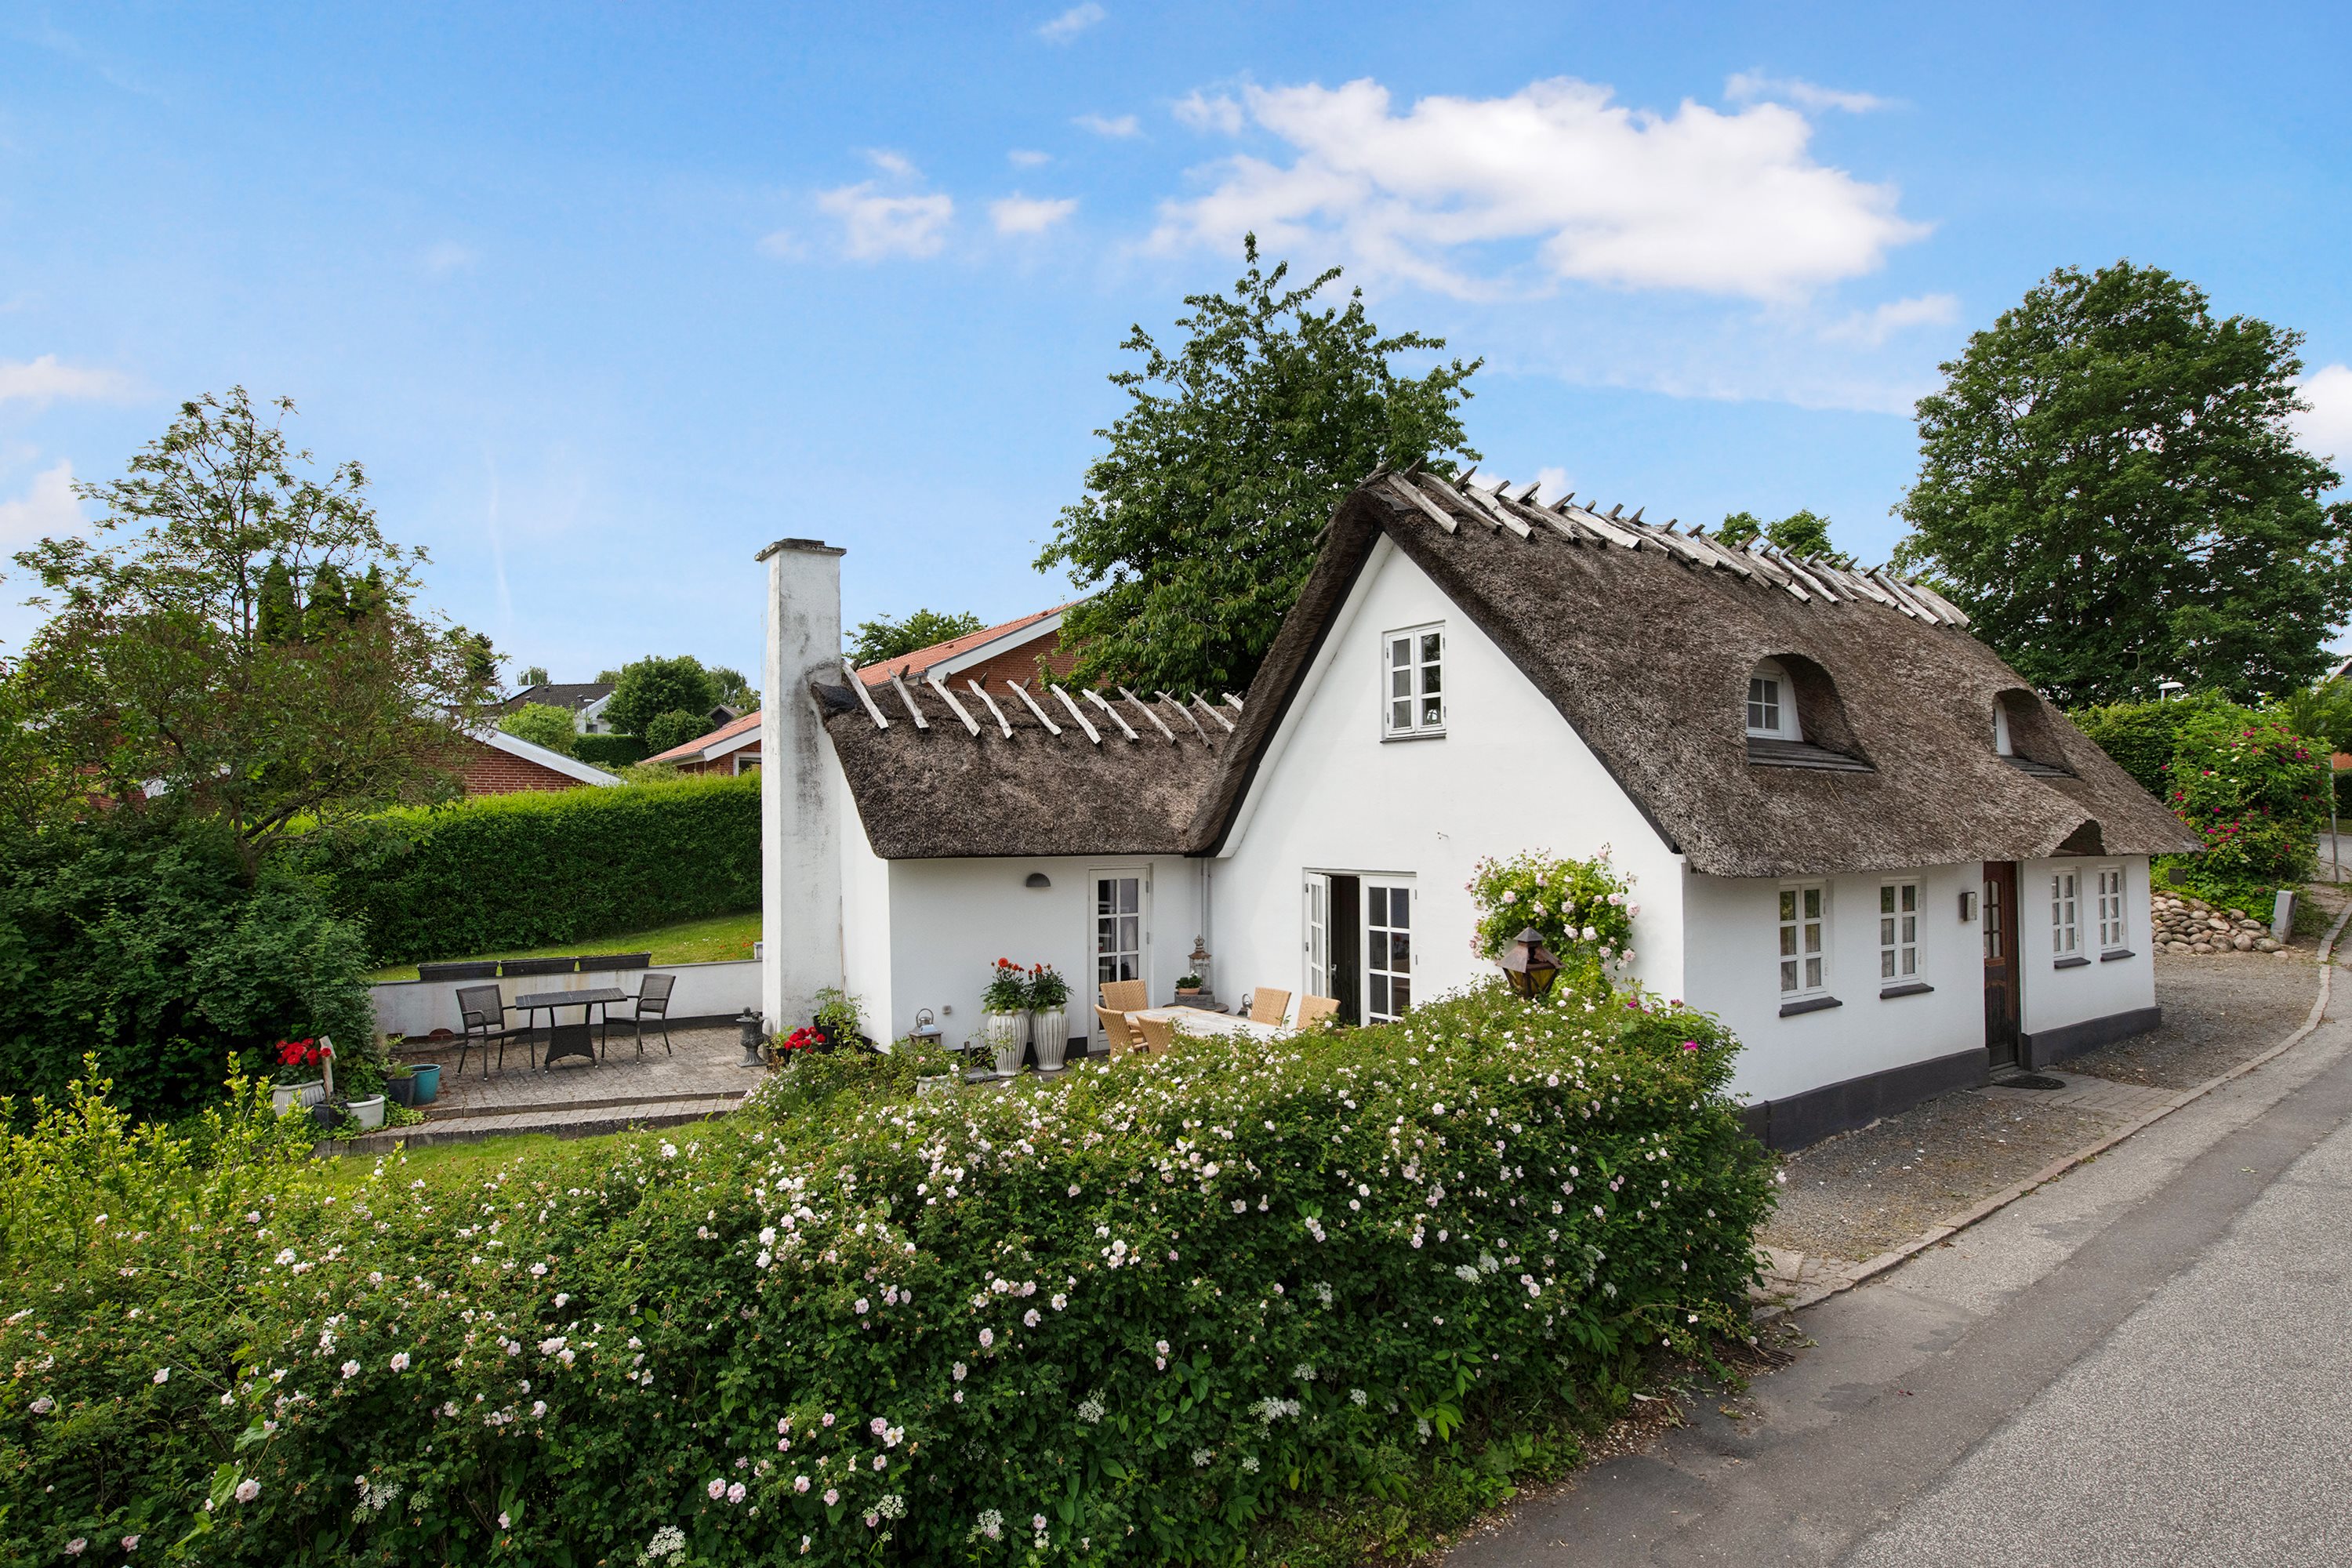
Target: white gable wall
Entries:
(2054, 997)
(1509, 774)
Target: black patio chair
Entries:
(651, 1002)
(484, 1011)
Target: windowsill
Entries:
(1909, 988)
(1810, 1005)
(1414, 735)
(2113, 954)
(2075, 960)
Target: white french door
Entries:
(1388, 951)
(1317, 937)
(1120, 934)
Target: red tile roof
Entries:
(693, 749)
(922, 658)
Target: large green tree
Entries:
(1199, 526)
(644, 691)
(1800, 533)
(2109, 486)
(174, 661)
(880, 640)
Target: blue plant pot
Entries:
(428, 1080)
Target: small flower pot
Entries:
(324, 1116)
(401, 1091)
(368, 1112)
(427, 1080)
(1008, 1036)
(1050, 1030)
(285, 1096)
(931, 1088)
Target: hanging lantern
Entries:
(1199, 964)
(1530, 966)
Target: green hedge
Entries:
(610, 751)
(1176, 1308)
(2142, 736)
(536, 869)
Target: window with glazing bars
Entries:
(2065, 916)
(1415, 671)
(1898, 932)
(1804, 947)
(2110, 884)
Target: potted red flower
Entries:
(298, 1074)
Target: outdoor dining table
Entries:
(568, 1039)
(1201, 1020)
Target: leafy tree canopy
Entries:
(175, 660)
(2321, 713)
(534, 675)
(675, 729)
(1199, 526)
(542, 724)
(733, 689)
(2109, 486)
(880, 641)
(650, 687)
(1800, 533)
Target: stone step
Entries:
(566, 1121)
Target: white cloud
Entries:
(1750, 87)
(1017, 214)
(1071, 23)
(2326, 426)
(1597, 193)
(1550, 485)
(449, 256)
(48, 509)
(891, 163)
(874, 225)
(1871, 328)
(1204, 113)
(783, 245)
(1022, 158)
(43, 379)
(1101, 125)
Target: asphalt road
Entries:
(2148, 1362)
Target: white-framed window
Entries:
(1772, 704)
(2109, 882)
(1804, 941)
(1388, 951)
(1898, 932)
(2002, 746)
(1413, 681)
(2065, 914)
(1119, 932)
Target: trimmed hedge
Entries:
(1172, 1308)
(542, 868)
(612, 752)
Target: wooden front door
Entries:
(2000, 969)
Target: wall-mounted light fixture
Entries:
(1967, 905)
(1038, 880)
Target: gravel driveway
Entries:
(1854, 1196)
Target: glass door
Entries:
(1317, 937)
(1118, 926)
(1388, 951)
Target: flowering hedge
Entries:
(2255, 793)
(1583, 907)
(1139, 1314)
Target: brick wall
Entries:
(1021, 663)
(489, 770)
(728, 763)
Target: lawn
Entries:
(711, 940)
(542, 1150)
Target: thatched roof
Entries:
(1125, 776)
(1643, 639)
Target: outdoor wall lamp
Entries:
(1530, 966)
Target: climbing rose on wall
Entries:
(1583, 907)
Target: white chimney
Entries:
(800, 841)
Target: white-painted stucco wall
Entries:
(1509, 774)
(2054, 997)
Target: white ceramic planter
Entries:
(928, 1088)
(368, 1112)
(285, 1096)
(1051, 1031)
(1008, 1036)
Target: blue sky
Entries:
(605, 298)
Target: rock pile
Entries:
(2184, 923)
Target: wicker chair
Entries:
(1117, 1036)
(1267, 1006)
(651, 1002)
(1124, 996)
(1313, 1010)
(1157, 1034)
(483, 1010)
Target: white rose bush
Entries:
(1584, 908)
(1147, 1312)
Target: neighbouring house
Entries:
(1016, 650)
(585, 700)
(1853, 833)
(501, 764)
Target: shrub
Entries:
(1144, 1313)
(650, 687)
(609, 751)
(534, 870)
(1581, 907)
(2255, 793)
(542, 724)
(136, 937)
(674, 728)
(2142, 736)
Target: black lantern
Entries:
(755, 1034)
(1530, 966)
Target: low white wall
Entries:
(2054, 997)
(703, 991)
(1733, 934)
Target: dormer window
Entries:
(2023, 735)
(1412, 676)
(1772, 704)
(2002, 746)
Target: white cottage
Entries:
(1854, 833)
